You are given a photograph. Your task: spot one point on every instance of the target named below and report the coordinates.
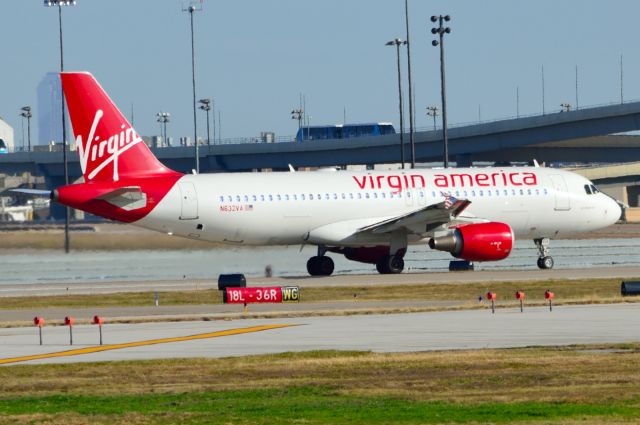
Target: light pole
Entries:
(205, 105)
(297, 114)
(432, 111)
(399, 42)
(213, 114)
(194, 7)
(411, 123)
(441, 31)
(163, 119)
(60, 3)
(26, 113)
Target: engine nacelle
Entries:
(491, 241)
(369, 254)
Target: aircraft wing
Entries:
(421, 220)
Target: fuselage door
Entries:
(189, 198)
(561, 192)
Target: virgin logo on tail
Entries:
(103, 152)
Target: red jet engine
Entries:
(491, 241)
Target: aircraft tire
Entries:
(380, 266)
(396, 264)
(325, 266)
(545, 263)
(391, 264)
(320, 266)
(312, 266)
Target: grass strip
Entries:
(591, 384)
(572, 291)
(308, 405)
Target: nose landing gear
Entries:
(545, 261)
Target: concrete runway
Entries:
(475, 329)
(16, 290)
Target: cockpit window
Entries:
(594, 189)
(587, 189)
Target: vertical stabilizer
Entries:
(109, 148)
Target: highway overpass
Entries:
(574, 136)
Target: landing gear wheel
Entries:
(320, 266)
(396, 264)
(325, 266)
(545, 263)
(391, 264)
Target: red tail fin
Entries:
(109, 148)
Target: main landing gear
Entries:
(320, 265)
(545, 261)
(390, 264)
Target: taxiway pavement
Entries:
(18, 290)
(447, 330)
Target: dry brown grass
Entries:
(588, 290)
(72, 418)
(566, 291)
(96, 241)
(570, 374)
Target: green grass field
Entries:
(586, 385)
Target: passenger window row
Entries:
(464, 194)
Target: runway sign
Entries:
(273, 294)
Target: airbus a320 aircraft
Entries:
(371, 217)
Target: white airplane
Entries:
(371, 217)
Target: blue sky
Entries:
(256, 56)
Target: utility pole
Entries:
(163, 119)
(61, 3)
(26, 113)
(542, 73)
(399, 42)
(577, 104)
(432, 111)
(441, 30)
(194, 7)
(205, 105)
(411, 117)
(297, 114)
(621, 81)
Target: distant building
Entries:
(6, 137)
(49, 110)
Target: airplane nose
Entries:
(612, 211)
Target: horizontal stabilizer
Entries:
(33, 192)
(128, 198)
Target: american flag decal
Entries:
(448, 200)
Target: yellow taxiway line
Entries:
(99, 348)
